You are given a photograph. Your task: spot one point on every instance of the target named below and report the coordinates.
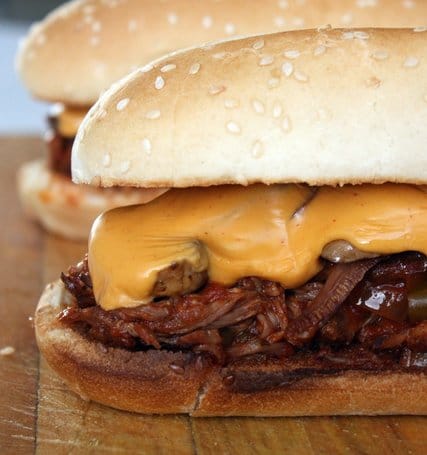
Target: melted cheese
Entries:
(274, 232)
(69, 120)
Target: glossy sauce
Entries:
(274, 232)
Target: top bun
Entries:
(81, 48)
(321, 107)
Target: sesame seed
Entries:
(361, 35)
(257, 149)
(273, 82)
(7, 350)
(286, 125)
(100, 114)
(287, 69)
(283, 4)
(425, 97)
(258, 44)
(146, 145)
(279, 21)
(132, 25)
(122, 104)
(153, 114)
(277, 110)
(324, 28)
(411, 62)
(258, 106)
(347, 35)
(266, 60)
(112, 3)
(366, 3)
(96, 27)
(233, 127)
(380, 55)
(94, 40)
(41, 39)
(319, 50)
(298, 21)
(231, 103)
(207, 21)
(292, 54)
(300, 76)
(99, 70)
(172, 18)
(159, 83)
(219, 55)
(408, 4)
(194, 68)
(167, 68)
(420, 29)
(230, 28)
(124, 167)
(216, 89)
(88, 9)
(146, 68)
(347, 19)
(106, 160)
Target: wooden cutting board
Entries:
(39, 415)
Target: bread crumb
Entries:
(7, 350)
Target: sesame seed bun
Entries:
(321, 107)
(163, 382)
(82, 47)
(67, 209)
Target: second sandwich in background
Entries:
(84, 46)
(285, 271)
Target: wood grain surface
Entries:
(39, 415)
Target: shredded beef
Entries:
(325, 326)
(59, 148)
(341, 281)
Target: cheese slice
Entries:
(69, 119)
(274, 232)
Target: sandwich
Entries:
(284, 272)
(87, 45)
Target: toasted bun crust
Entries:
(321, 107)
(67, 209)
(87, 45)
(145, 382)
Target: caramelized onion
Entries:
(343, 251)
(341, 281)
(417, 305)
(386, 300)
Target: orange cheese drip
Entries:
(69, 119)
(274, 232)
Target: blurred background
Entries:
(19, 114)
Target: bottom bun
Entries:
(162, 382)
(68, 209)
